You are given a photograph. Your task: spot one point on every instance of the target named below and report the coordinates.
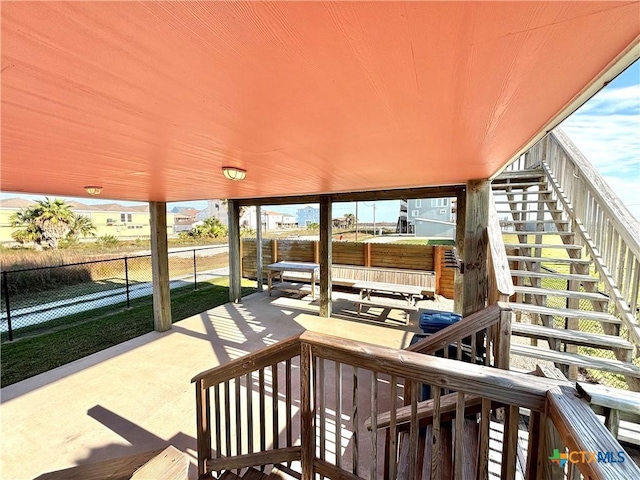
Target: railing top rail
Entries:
(581, 431)
(283, 350)
(467, 326)
(510, 388)
(626, 224)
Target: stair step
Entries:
(571, 337)
(520, 174)
(566, 358)
(502, 191)
(277, 474)
(253, 474)
(566, 312)
(577, 261)
(229, 475)
(564, 222)
(554, 210)
(543, 245)
(504, 186)
(508, 202)
(563, 276)
(547, 292)
(533, 232)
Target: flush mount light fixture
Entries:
(233, 173)
(93, 190)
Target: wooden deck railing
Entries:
(317, 417)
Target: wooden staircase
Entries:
(255, 474)
(556, 298)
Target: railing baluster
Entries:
(459, 441)
(249, 380)
(276, 419)
(435, 434)
(413, 432)
(374, 425)
(483, 448)
(536, 444)
(227, 419)
(238, 417)
(322, 408)
(633, 303)
(459, 349)
(288, 403)
(261, 389)
(510, 443)
(393, 435)
(218, 435)
(354, 422)
(338, 381)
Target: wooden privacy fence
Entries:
(383, 255)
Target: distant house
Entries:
(270, 220)
(340, 222)
(109, 218)
(308, 215)
(288, 221)
(431, 217)
(215, 209)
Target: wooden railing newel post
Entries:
(203, 428)
(307, 424)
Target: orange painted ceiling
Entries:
(150, 100)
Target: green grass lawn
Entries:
(80, 335)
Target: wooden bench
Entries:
(348, 275)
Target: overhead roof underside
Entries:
(150, 100)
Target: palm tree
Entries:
(81, 226)
(45, 223)
(350, 218)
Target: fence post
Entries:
(6, 297)
(195, 280)
(126, 278)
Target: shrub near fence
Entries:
(383, 255)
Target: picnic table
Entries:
(278, 269)
(408, 295)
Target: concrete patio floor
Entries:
(137, 396)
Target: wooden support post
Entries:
(461, 217)
(367, 254)
(316, 251)
(325, 256)
(160, 267)
(259, 278)
(235, 275)
(475, 246)
(438, 265)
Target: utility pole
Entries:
(374, 218)
(356, 221)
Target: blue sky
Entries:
(606, 129)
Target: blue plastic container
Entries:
(432, 321)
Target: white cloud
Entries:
(607, 131)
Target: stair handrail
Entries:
(500, 281)
(610, 233)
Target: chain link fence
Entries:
(35, 300)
